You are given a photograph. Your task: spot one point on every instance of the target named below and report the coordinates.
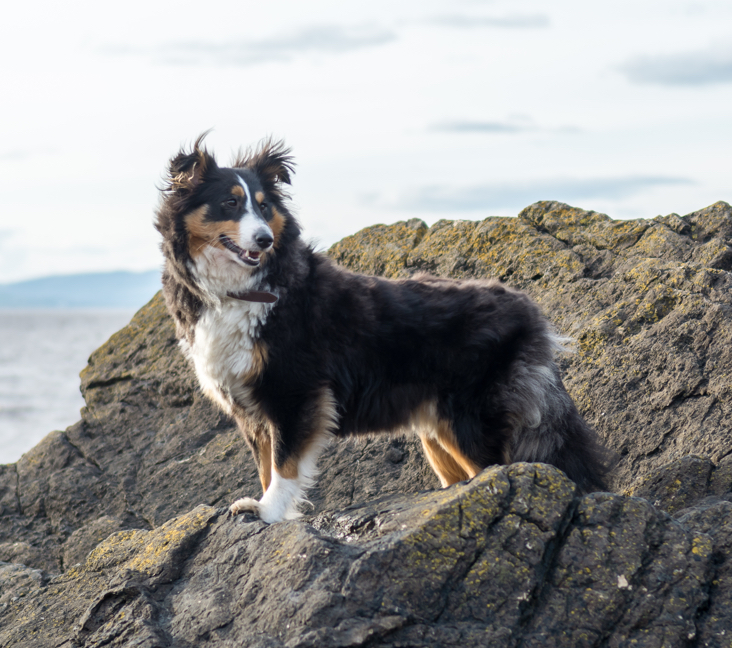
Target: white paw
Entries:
(245, 505)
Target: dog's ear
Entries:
(188, 170)
(271, 161)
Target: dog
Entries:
(299, 350)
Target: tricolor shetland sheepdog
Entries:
(299, 350)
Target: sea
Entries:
(41, 355)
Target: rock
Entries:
(119, 520)
(714, 518)
(511, 557)
(679, 484)
(84, 539)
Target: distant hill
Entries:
(93, 290)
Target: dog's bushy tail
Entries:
(547, 428)
(569, 444)
(582, 457)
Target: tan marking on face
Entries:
(446, 468)
(259, 197)
(276, 224)
(238, 190)
(202, 232)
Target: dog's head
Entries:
(222, 224)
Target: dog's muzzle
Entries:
(264, 241)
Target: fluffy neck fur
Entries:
(187, 293)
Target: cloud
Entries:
(513, 125)
(13, 155)
(480, 127)
(328, 39)
(511, 21)
(514, 195)
(5, 235)
(713, 65)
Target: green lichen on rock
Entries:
(151, 552)
(380, 249)
(621, 589)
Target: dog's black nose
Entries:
(263, 239)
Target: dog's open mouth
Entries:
(250, 257)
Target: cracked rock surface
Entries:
(113, 531)
(513, 557)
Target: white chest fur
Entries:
(223, 352)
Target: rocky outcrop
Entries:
(113, 532)
(511, 558)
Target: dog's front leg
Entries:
(293, 454)
(280, 501)
(259, 439)
(288, 477)
(281, 488)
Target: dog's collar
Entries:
(260, 296)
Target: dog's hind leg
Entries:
(445, 456)
(445, 467)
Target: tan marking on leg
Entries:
(447, 440)
(259, 437)
(265, 469)
(276, 224)
(238, 190)
(442, 463)
(289, 469)
(284, 493)
(424, 418)
(440, 445)
(202, 232)
(259, 197)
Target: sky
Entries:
(458, 109)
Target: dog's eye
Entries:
(231, 202)
(263, 206)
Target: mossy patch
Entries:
(150, 552)
(380, 249)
